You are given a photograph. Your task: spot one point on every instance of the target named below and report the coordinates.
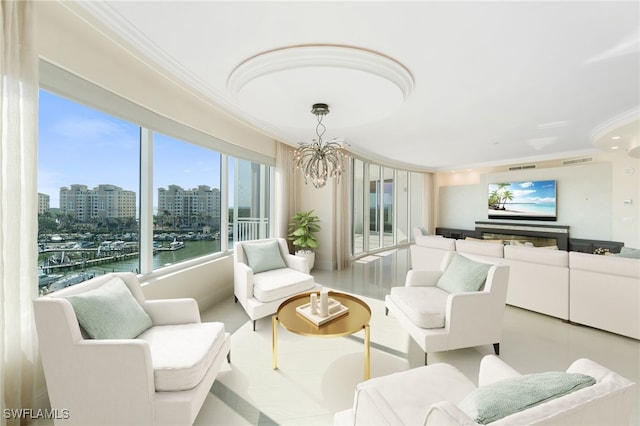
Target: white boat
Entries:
(173, 246)
(176, 245)
(69, 280)
(45, 279)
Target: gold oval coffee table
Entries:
(356, 319)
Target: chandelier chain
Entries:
(320, 125)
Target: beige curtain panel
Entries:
(20, 371)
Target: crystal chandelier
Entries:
(319, 160)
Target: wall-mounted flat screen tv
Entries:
(531, 200)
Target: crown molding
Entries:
(109, 21)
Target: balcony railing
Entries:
(249, 228)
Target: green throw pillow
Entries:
(463, 275)
(632, 253)
(110, 311)
(263, 256)
(505, 397)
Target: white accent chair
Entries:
(160, 377)
(261, 293)
(430, 395)
(440, 321)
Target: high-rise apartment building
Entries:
(190, 207)
(43, 203)
(103, 201)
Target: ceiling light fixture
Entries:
(320, 160)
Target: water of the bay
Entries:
(191, 250)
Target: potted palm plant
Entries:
(302, 230)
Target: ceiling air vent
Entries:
(577, 161)
(525, 167)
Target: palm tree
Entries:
(496, 196)
(494, 199)
(506, 196)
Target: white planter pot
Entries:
(309, 255)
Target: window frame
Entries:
(74, 88)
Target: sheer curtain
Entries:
(342, 210)
(19, 363)
(285, 188)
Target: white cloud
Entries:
(523, 192)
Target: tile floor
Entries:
(249, 392)
(531, 343)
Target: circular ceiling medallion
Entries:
(360, 86)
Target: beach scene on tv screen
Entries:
(532, 199)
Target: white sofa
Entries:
(490, 249)
(538, 276)
(429, 251)
(605, 292)
(538, 280)
(430, 395)
(160, 377)
(261, 293)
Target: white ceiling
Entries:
(491, 82)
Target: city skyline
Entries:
(81, 145)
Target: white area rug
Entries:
(316, 377)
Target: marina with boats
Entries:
(72, 259)
(66, 259)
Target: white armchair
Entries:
(159, 377)
(266, 274)
(441, 317)
(439, 394)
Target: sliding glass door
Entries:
(387, 208)
(358, 210)
(389, 201)
(375, 195)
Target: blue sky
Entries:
(80, 145)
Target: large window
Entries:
(187, 214)
(88, 180)
(375, 212)
(249, 185)
(358, 208)
(389, 200)
(115, 195)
